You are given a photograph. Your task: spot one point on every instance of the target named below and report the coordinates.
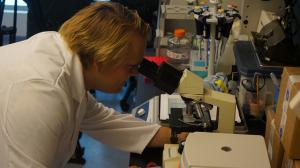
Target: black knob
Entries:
(181, 146)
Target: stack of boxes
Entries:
(283, 127)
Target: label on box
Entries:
(292, 79)
(270, 142)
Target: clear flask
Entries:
(178, 51)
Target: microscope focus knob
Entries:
(141, 112)
(181, 147)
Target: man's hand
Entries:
(182, 136)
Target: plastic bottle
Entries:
(178, 50)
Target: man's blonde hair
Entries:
(101, 32)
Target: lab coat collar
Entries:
(74, 67)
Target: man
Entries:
(49, 15)
(44, 100)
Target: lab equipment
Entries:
(213, 26)
(247, 66)
(192, 90)
(199, 54)
(221, 150)
(174, 13)
(277, 41)
(271, 44)
(226, 56)
(202, 31)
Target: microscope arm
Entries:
(191, 86)
(226, 104)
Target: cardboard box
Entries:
(274, 145)
(285, 119)
(297, 164)
(289, 163)
(290, 136)
(287, 72)
(270, 119)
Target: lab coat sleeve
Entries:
(122, 131)
(33, 122)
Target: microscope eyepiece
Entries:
(165, 76)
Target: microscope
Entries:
(202, 149)
(197, 97)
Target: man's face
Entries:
(112, 79)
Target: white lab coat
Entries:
(44, 105)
